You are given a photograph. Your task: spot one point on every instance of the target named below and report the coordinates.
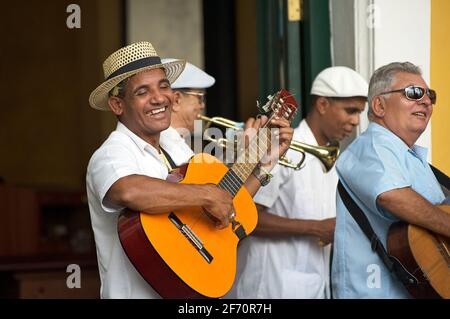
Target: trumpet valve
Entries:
(283, 158)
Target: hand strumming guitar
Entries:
(217, 204)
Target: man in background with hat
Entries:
(189, 101)
(130, 168)
(289, 253)
(189, 95)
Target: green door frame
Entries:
(269, 49)
(316, 43)
(292, 53)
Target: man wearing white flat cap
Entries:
(289, 254)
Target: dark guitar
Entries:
(425, 255)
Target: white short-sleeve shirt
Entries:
(123, 154)
(290, 267)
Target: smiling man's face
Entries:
(146, 106)
(406, 118)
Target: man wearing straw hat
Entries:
(130, 168)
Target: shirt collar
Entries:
(306, 133)
(140, 143)
(171, 134)
(418, 151)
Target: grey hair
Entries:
(383, 77)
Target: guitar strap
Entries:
(443, 179)
(392, 263)
(168, 160)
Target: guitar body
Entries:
(168, 260)
(425, 255)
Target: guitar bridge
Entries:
(191, 237)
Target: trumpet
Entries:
(326, 154)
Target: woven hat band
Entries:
(134, 65)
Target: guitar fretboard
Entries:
(246, 162)
(282, 105)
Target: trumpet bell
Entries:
(326, 154)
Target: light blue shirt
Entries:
(376, 162)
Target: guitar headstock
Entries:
(281, 104)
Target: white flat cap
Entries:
(339, 81)
(191, 77)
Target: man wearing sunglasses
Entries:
(388, 177)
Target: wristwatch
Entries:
(262, 175)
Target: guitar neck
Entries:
(281, 105)
(246, 161)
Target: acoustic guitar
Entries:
(425, 255)
(180, 253)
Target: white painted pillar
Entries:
(394, 31)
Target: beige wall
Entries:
(174, 27)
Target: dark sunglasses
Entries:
(415, 93)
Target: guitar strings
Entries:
(240, 171)
(233, 181)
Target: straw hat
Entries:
(126, 62)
